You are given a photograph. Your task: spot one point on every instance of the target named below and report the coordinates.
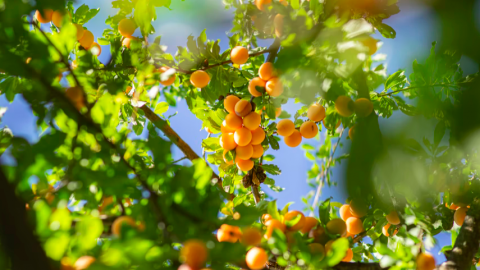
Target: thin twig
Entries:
(415, 87)
(178, 160)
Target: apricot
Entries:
(284, 2)
(363, 107)
(278, 111)
(168, 81)
(460, 215)
(337, 226)
(351, 132)
(265, 218)
(293, 140)
(239, 55)
(253, 84)
(199, 79)
(227, 141)
(425, 261)
(349, 256)
(105, 202)
(274, 87)
(128, 41)
(319, 235)
(354, 225)
(293, 215)
(285, 127)
(229, 103)
(243, 108)
(251, 236)
(225, 129)
(96, 49)
(263, 4)
(87, 40)
(232, 121)
(258, 135)
(84, 262)
(452, 206)
(385, 230)
(329, 127)
(317, 250)
(278, 24)
(228, 233)
(344, 106)
(316, 113)
(243, 136)
(257, 151)
(252, 121)
(120, 222)
(80, 31)
(57, 18)
(266, 71)
(393, 218)
(309, 129)
(310, 223)
(225, 158)
(244, 152)
(371, 43)
(256, 258)
(328, 245)
(47, 16)
(345, 212)
(358, 209)
(273, 224)
(244, 165)
(194, 253)
(127, 27)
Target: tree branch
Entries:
(358, 266)
(416, 87)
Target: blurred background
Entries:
(417, 27)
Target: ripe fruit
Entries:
(284, 2)
(351, 132)
(229, 103)
(225, 129)
(278, 111)
(239, 55)
(460, 215)
(96, 49)
(452, 206)
(199, 79)
(354, 225)
(257, 151)
(252, 121)
(244, 165)
(243, 136)
(263, 4)
(274, 87)
(309, 129)
(105, 202)
(319, 235)
(232, 121)
(349, 256)
(317, 250)
(293, 140)
(278, 23)
(251, 236)
(256, 258)
(358, 208)
(329, 127)
(265, 218)
(316, 113)
(243, 108)
(57, 18)
(344, 106)
(337, 226)
(345, 212)
(244, 152)
(371, 43)
(228, 233)
(258, 135)
(291, 215)
(80, 31)
(285, 127)
(120, 222)
(393, 218)
(127, 27)
(252, 86)
(227, 141)
(87, 39)
(170, 79)
(127, 41)
(385, 230)
(194, 253)
(271, 225)
(47, 16)
(425, 261)
(84, 262)
(310, 223)
(266, 71)
(363, 107)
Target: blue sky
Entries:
(416, 30)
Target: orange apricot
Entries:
(194, 253)
(293, 140)
(199, 79)
(328, 245)
(253, 84)
(460, 215)
(228, 233)
(232, 121)
(345, 212)
(358, 209)
(84, 262)
(257, 151)
(425, 261)
(229, 162)
(80, 31)
(46, 17)
(258, 135)
(244, 165)
(317, 250)
(243, 136)
(120, 222)
(363, 107)
(170, 79)
(351, 132)
(105, 202)
(344, 106)
(278, 24)
(96, 49)
(337, 226)
(385, 230)
(283, 2)
(128, 41)
(293, 215)
(225, 129)
(285, 127)
(278, 111)
(227, 141)
(229, 103)
(239, 55)
(274, 87)
(316, 113)
(309, 129)
(266, 71)
(330, 127)
(127, 27)
(310, 223)
(57, 18)
(319, 235)
(243, 108)
(251, 236)
(349, 256)
(393, 218)
(452, 206)
(371, 43)
(252, 121)
(263, 4)
(265, 218)
(354, 225)
(244, 152)
(273, 224)
(87, 40)
(256, 258)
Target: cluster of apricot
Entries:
(266, 79)
(460, 212)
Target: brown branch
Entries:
(358, 266)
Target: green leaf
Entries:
(161, 107)
(324, 212)
(271, 169)
(88, 230)
(337, 252)
(272, 210)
